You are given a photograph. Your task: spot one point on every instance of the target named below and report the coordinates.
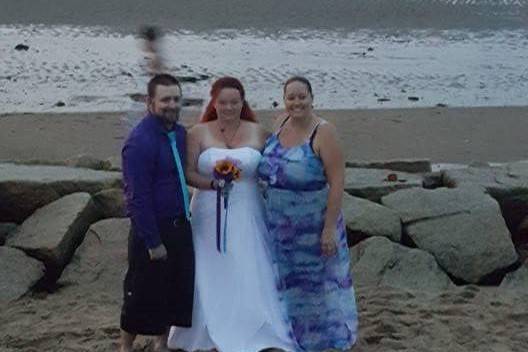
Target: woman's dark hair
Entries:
(301, 79)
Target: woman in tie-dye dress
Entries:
(302, 173)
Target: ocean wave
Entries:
(270, 15)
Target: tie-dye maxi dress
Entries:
(317, 291)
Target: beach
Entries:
(471, 318)
(442, 135)
(441, 80)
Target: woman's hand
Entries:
(328, 242)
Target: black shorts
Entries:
(159, 294)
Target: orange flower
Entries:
(226, 169)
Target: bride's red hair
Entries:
(218, 85)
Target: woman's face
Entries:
(228, 104)
(297, 99)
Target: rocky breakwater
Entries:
(45, 212)
(415, 229)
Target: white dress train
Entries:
(236, 305)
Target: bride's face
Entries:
(228, 104)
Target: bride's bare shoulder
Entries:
(199, 129)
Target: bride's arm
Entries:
(194, 148)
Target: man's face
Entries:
(166, 103)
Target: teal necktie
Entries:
(185, 192)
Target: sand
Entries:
(443, 135)
(464, 319)
(471, 318)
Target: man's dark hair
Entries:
(163, 79)
(150, 33)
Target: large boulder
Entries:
(110, 203)
(53, 232)
(517, 280)
(373, 184)
(25, 188)
(404, 165)
(115, 163)
(499, 181)
(378, 261)
(420, 204)
(508, 184)
(88, 162)
(100, 262)
(462, 228)
(366, 219)
(18, 273)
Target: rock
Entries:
(403, 165)
(462, 228)
(520, 239)
(114, 162)
(413, 98)
(378, 261)
(507, 184)
(5, 229)
(138, 97)
(479, 163)
(517, 169)
(110, 203)
(24, 188)
(417, 204)
(517, 280)
(522, 231)
(190, 79)
(18, 273)
(60, 104)
(441, 105)
(432, 180)
(22, 47)
(274, 104)
(372, 184)
(88, 162)
(192, 101)
(514, 209)
(53, 232)
(381, 100)
(367, 219)
(498, 181)
(100, 262)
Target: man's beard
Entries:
(171, 115)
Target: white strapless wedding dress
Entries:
(236, 305)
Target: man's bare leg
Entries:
(127, 341)
(160, 344)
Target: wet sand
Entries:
(443, 135)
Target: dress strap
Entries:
(314, 131)
(282, 125)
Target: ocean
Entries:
(357, 53)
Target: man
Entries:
(159, 284)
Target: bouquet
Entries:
(226, 171)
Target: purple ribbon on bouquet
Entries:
(226, 171)
(221, 236)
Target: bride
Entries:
(236, 305)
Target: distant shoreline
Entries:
(442, 135)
